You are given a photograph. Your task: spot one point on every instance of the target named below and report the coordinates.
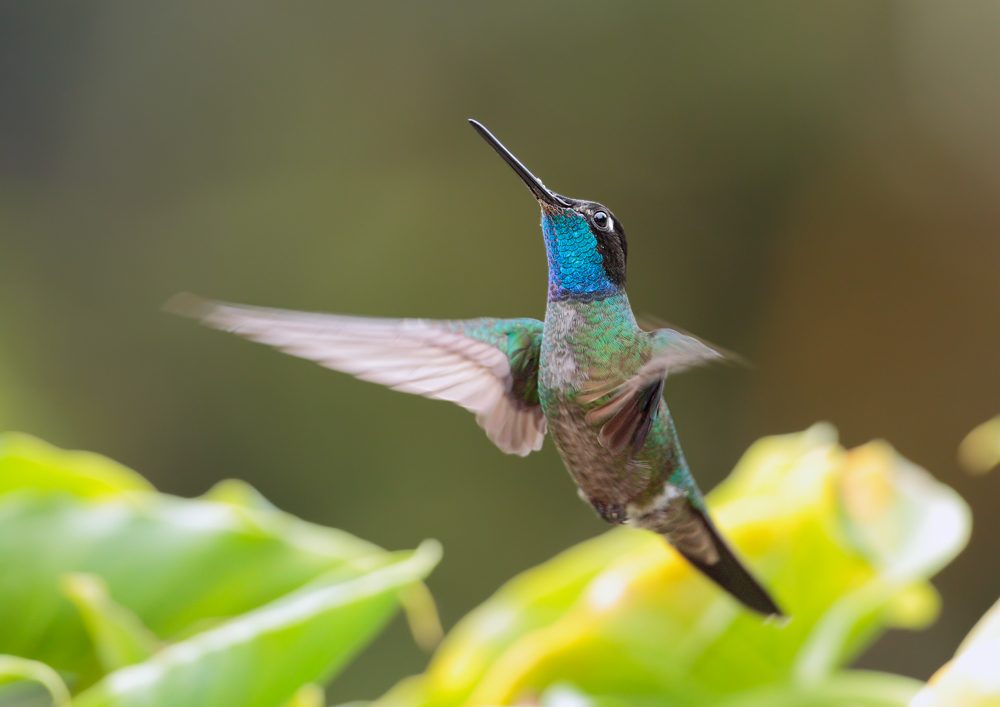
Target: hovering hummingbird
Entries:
(588, 375)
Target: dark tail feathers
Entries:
(730, 574)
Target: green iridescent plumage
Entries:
(519, 340)
(588, 375)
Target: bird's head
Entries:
(585, 243)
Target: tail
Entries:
(724, 568)
(692, 533)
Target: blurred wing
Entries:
(651, 323)
(675, 352)
(464, 362)
(628, 414)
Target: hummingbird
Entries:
(588, 375)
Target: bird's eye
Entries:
(602, 220)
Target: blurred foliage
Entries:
(845, 539)
(980, 450)
(14, 669)
(972, 678)
(124, 597)
(135, 597)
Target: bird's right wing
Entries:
(630, 406)
(488, 366)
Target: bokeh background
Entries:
(815, 185)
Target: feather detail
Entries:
(630, 408)
(703, 546)
(692, 533)
(419, 356)
(628, 416)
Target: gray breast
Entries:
(605, 477)
(559, 369)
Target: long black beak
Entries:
(540, 191)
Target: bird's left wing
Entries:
(488, 366)
(630, 408)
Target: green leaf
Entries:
(175, 563)
(238, 493)
(854, 688)
(908, 526)
(27, 462)
(262, 657)
(307, 696)
(16, 668)
(421, 615)
(857, 688)
(117, 633)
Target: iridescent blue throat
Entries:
(576, 268)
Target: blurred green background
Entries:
(813, 185)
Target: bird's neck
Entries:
(611, 315)
(576, 268)
(582, 338)
(590, 324)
